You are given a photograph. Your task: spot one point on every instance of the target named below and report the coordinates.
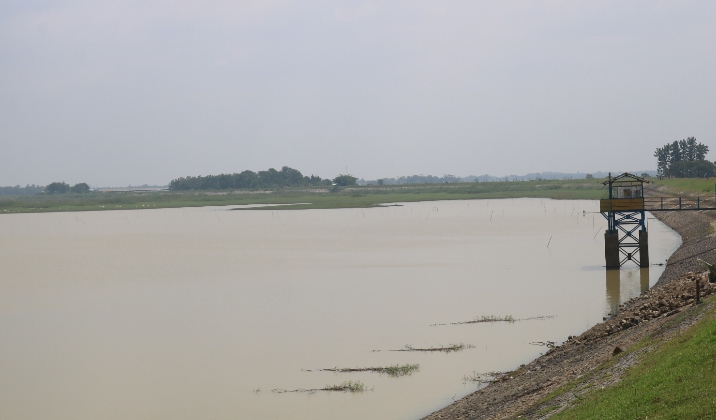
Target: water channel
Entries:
(201, 312)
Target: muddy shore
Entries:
(520, 394)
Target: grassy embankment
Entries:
(304, 198)
(677, 380)
(696, 186)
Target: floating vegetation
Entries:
(447, 349)
(482, 378)
(549, 344)
(493, 318)
(348, 386)
(394, 370)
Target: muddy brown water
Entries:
(201, 312)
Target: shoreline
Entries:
(524, 392)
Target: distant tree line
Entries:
(53, 188)
(64, 188)
(18, 190)
(418, 179)
(286, 177)
(684, 159)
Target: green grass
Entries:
(399, 370)
(698, 186)
(393, 370)
(357, 197)
(493, 318)
(348, 386)
(675, 381)
(445, 349)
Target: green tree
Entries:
(271, 178)
(686, 150)
(57, 188)
(380, 181)
(344, 180)
(80, 188)
(688, 169)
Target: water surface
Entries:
(200, 312)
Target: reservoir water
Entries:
(201, 312)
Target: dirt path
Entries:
(519, 394)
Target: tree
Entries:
(380, 181)
(686, 151)
(81, 188)
(590, 176)
(57, 188)
(271, 178)
(688, 169)
(662, 159)
(345, 180)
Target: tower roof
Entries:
(625, 177)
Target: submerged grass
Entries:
(446, 349)
(394, 370)
(481, 378)
(348, 386)
(303, 198)
(494, 318)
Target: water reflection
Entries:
(622, 285)
(644, 279)
(613, 292)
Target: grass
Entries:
(481, 378)
(348, 386)
(303, 198)
(394, 370)
(495, 318)
(677, 380)
(697, 186)
(492, 318)
(447, 349)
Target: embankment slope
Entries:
(529, 392)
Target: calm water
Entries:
(199, 313)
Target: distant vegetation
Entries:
(684, 159)
(18, 190)
(345, 180)
(303, 198)
(452, 179)
(53, 188)
(286, 177)
(681, 186)
(63, 188)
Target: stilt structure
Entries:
(625, 214)
(625, 211)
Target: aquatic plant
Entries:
(482, 378)
(347, 386)
(394, 370)
(493, 318)
(447, 349)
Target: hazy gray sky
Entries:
(122, 92)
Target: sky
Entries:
(143, 92)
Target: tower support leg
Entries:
(611, 249)
(643, 249)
